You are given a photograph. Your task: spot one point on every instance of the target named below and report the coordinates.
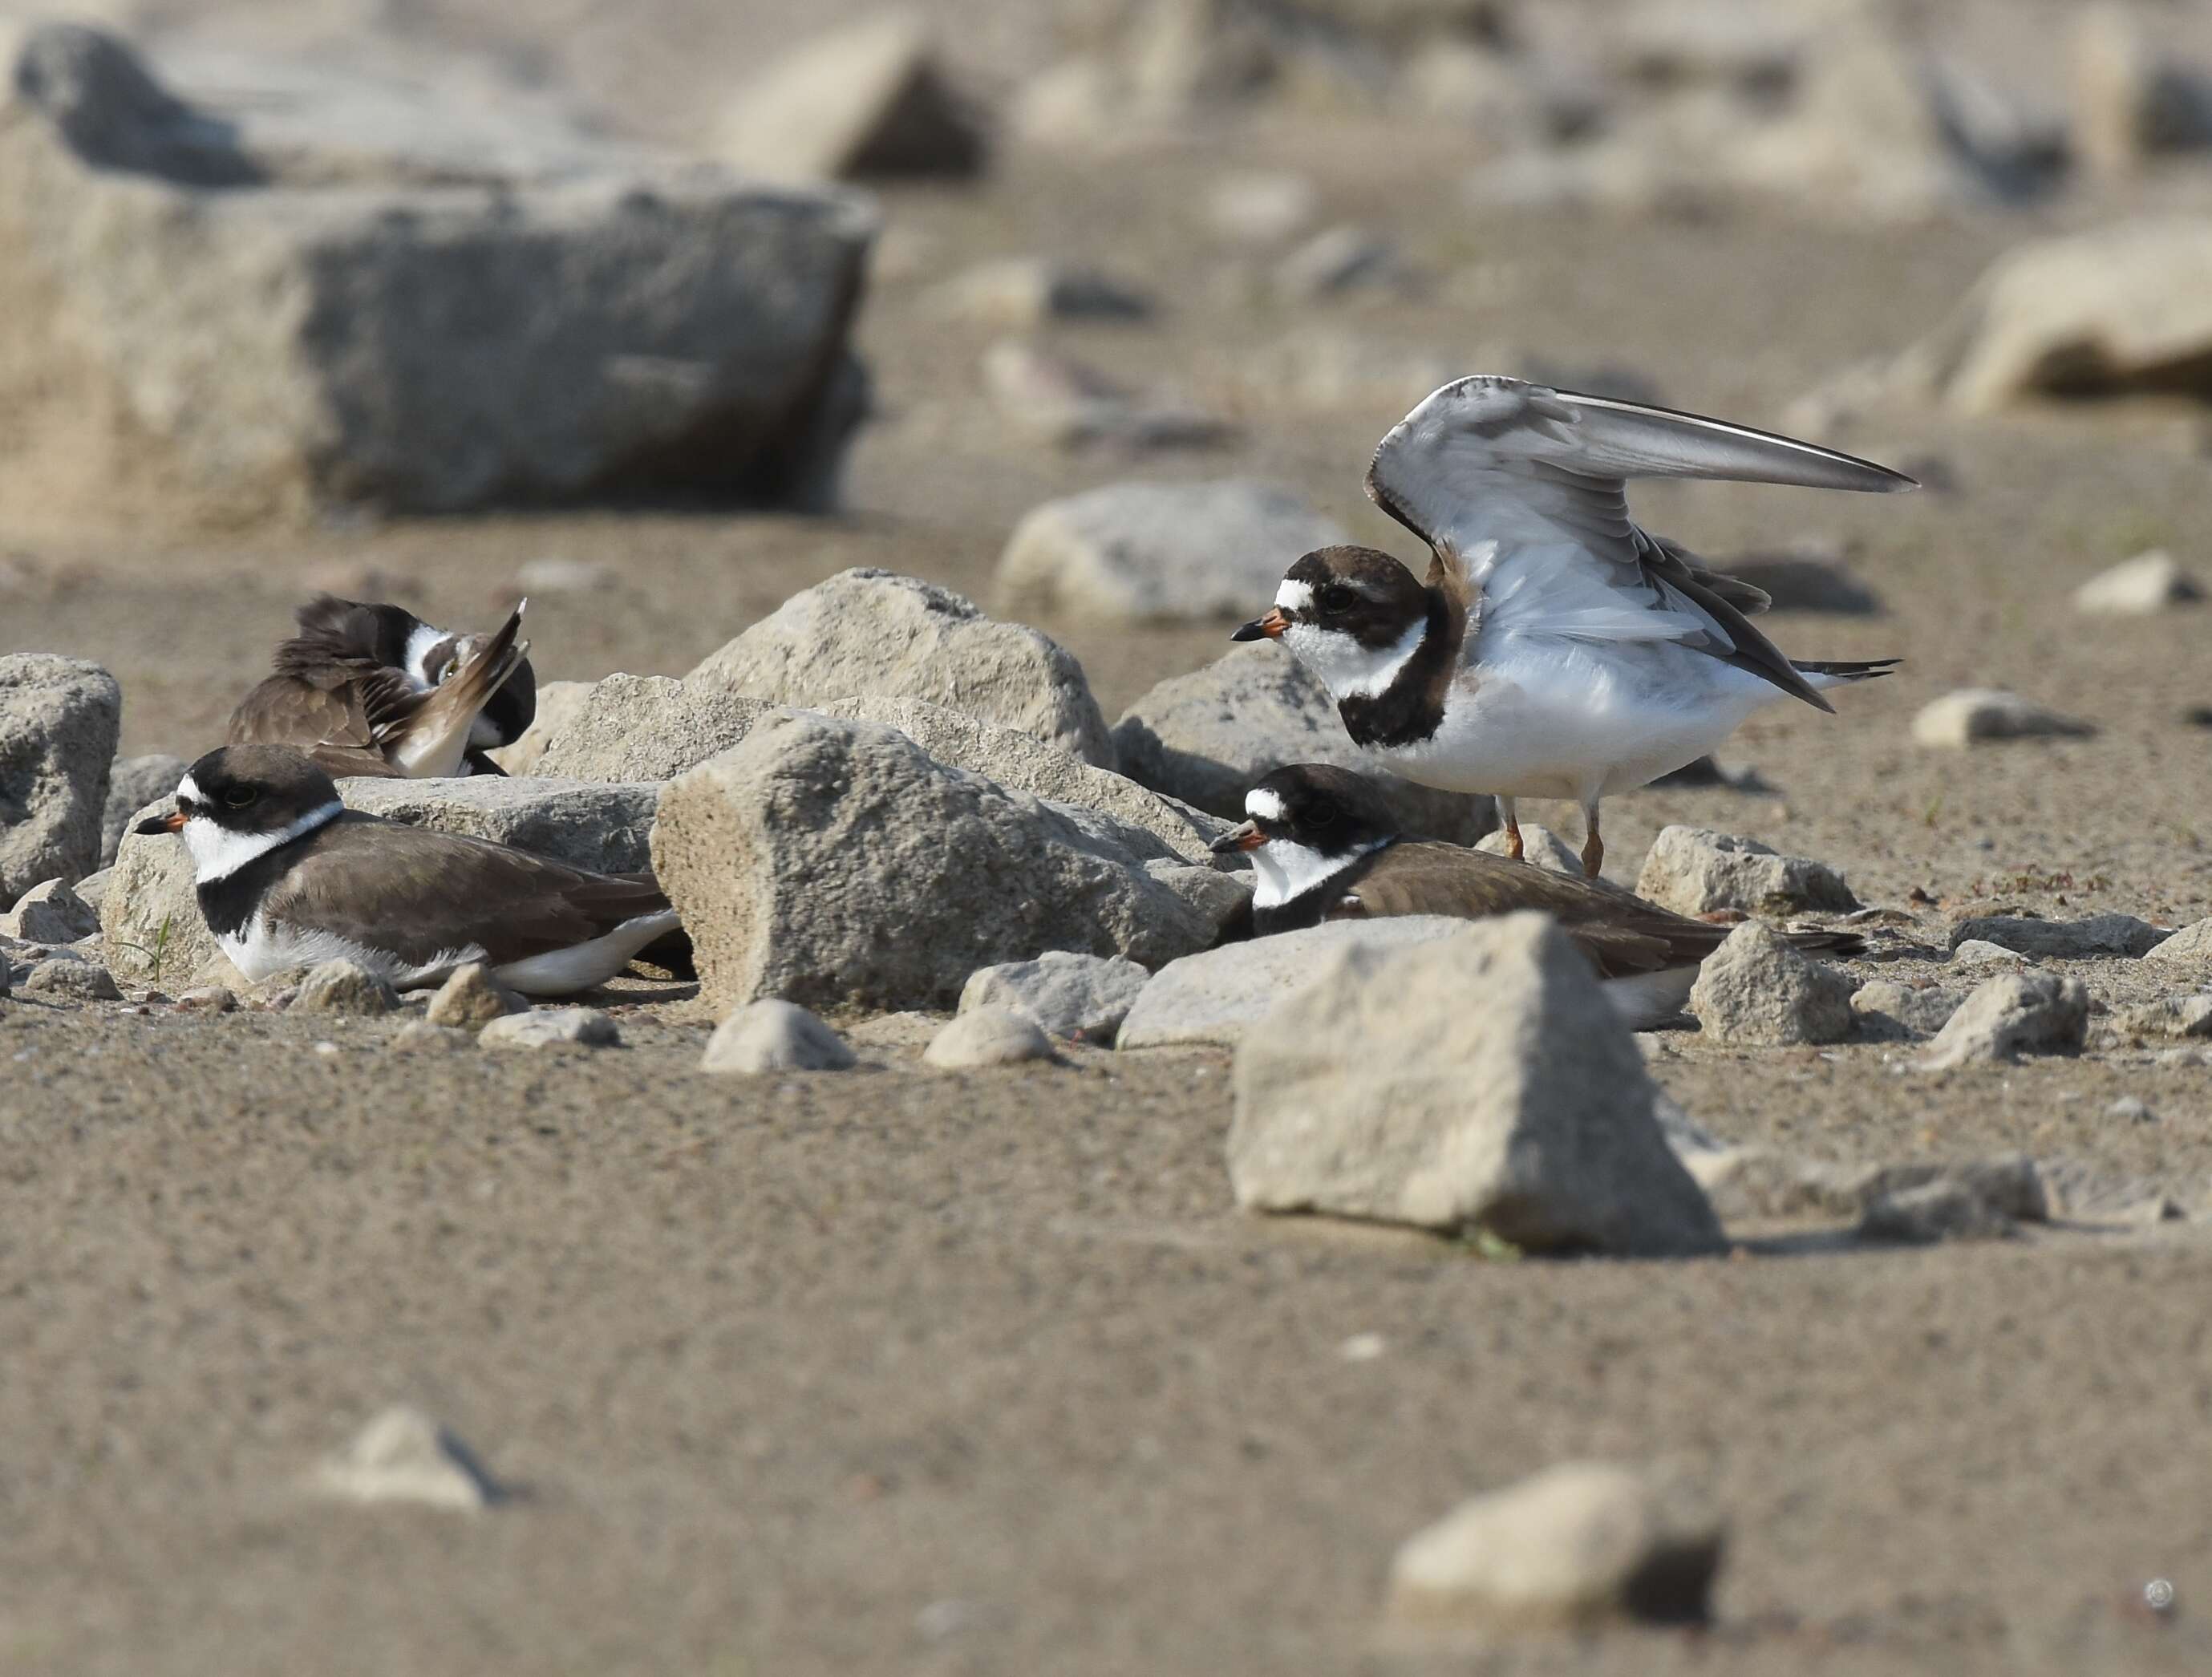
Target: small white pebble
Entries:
(2129, 1107)
(1361, 1348)
(326, 1047)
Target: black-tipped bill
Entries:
(1269, 627)
(1246, 837)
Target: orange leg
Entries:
(1592, 845)
(1512, 825)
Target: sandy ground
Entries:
(980, 1373)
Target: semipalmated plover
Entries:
(1324, 846)
(373, 690)
(1556, 650)
(288, 877)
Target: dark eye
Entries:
(239, 797)
(1336, 598)
(1322, 814)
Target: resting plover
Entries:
(288, 877)
(373, 690)
(1324, 846)
(1556, 650)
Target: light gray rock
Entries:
(2012, 1015)
(837, 864)
(1761, 1184)
(206, 999)
(2192, 947)
(2132, 103)
(1023, 293)
(2167, 1017)
(1260, 207)
(868, 101)
(133, 783)
(1072, 405)
(2132, 1109)
(58, 720)
(987, 1037)
(404, 1456)
(1756, 990)
(49, 913)
(2139, 588)
(422, 1035)
(1084, 996)
(1217, 995)
(1224, 899)
(2114, 309)
(1207, 737)
(871, 632)
(652, 727)
(634, 321)
(344, 987)
(150, 916)
(1145, 552)
(471, 999)
(92, 891)
(1376, 1092)
(1972, 715)
(1694, 871)
(552, 1028)
(1575, 1545)
(1539, 845)
(1981, 952)
(772, 1035)
(2093, 936)
(558, 702)
(1888, 1012)
(1340, 261)
(60, 978)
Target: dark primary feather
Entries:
(353, 879)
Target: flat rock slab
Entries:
(1217, 996)
(2121, 936)
(628, 321)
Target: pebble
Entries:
(1695, 870)
(421, 1034)
(1261, 209)
(2191, 946)
(206, 999)
(1890, 1012)
(1980, 952)
(471, 999)
(2131, 1107)
(1973, 716)
(49, 913)
(345, 988)
(71, 979)
(774, 1035)
(987, 1037)
(2011, 1015)
(2139, 588)
(1540, 846)
(552, 1027)
(1755, 989)
(1067, 994)
(1027, 292)
(404, 1456)
(1340, 261)
(1578, 1544)
(2093, 936)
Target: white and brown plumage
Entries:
(286, 876)
(1555, 650)
(1324, 846)
(370, 688)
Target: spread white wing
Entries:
(1521, 492)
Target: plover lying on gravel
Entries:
(1556, 650)
(1324, 846)
(288, 877)
(373, 689)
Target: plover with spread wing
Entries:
(1555, 649)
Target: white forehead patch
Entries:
(1263, 804)
(188, 789)
(1293, 596)
(423, 640)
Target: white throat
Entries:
(1347, 669)
(422, 640)
(218, 853)
(1284, 870)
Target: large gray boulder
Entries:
(149, 916)
(1146, 552)
(837, 864)
(604, 319)
(871, 631)
(2116, 309)
(1216, 995)
(1207, 737)
(654, 727)
(1379, 1092)
(133, 783)
(58, 721)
